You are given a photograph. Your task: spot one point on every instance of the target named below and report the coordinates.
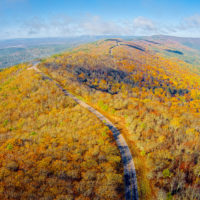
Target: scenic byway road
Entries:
(131, 192)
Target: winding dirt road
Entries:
(131, 192)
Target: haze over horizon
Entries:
(34, 19)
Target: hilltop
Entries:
(185, 49)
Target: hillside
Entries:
(52, 148)
(190, 42)
(155, 100)
(185, 49)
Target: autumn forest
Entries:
(51, 147)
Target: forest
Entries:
(52, 148)
(153, 99)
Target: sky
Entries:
(63, 18)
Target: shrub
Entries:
(166, 173)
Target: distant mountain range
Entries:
(185, 49)
(15, 51)
(190, 42)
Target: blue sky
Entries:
(52, 18)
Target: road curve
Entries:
(131, 192)
(112, 47)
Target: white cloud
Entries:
(89, 25)
(193, 21)
(66, 26)
(94, 25)
(56, 26)
(187, 27)
(144, 23)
